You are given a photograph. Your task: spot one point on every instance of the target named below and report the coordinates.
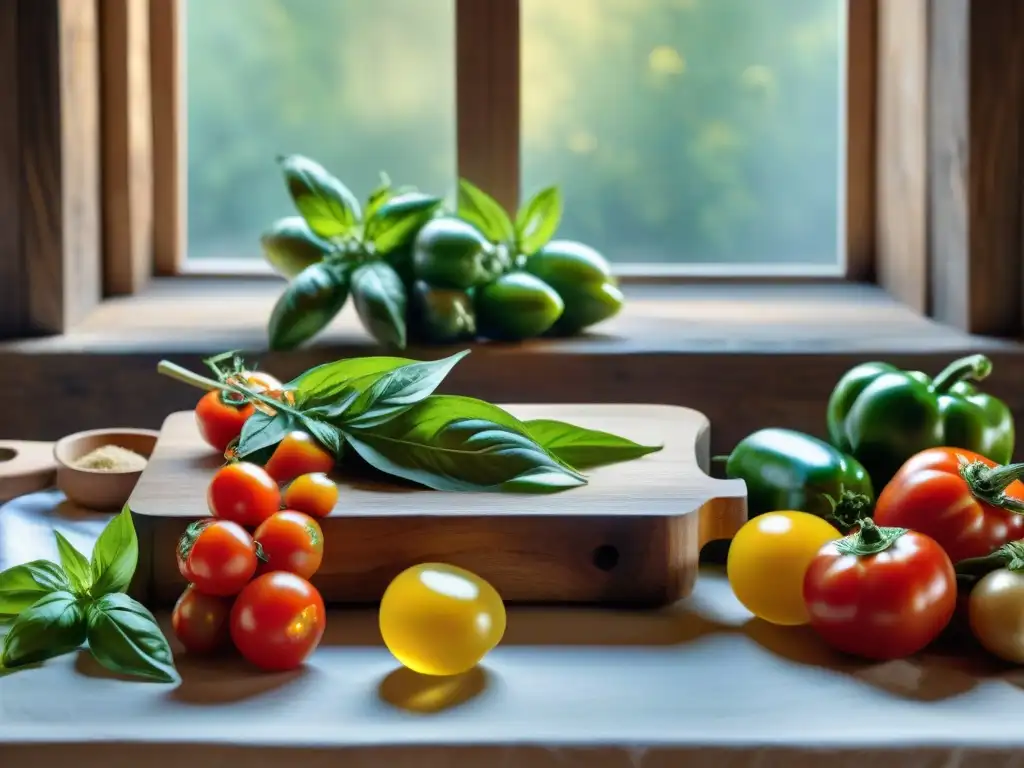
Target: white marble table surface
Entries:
(700, 684)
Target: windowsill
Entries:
(201, 316)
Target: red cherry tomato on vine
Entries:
(277, 621)
(969, 515)
(221, 414)
(218, 556)
(292, 542)
(314, 493)
(243, 493)
(298, 454)
(201, 622)
(881, 593)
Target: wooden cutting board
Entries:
(632, 536)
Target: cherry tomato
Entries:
(767, 560)
(277, 621)
(243, 493)
(997, 614)
(218, 556)
(291, 541)
(929, 495)
(881, 593)
(298, 454)
(200, 621)
(220, 414)
(314, 493)
(261, 381)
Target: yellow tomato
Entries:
(767, 561)
(438, 619)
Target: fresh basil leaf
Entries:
(262, 431)
(397, 390)
(380, 195)
(380, 300)
(307, 305)
(332, 410)
(54, 625)
(23, 585)
(325, 433)
(538, 220)
(124, 638)
(396, 221)
(327, 205)
(429, 445)
(115, 556)
(289, 246)
(326, 382)
(581, 447)
(75, 564)
(484, 212)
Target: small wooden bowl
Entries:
(92, 488)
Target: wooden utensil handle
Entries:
(25, 466)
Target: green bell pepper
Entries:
(789, 470)
(883, 415)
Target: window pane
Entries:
(360, 86)
(689, 131)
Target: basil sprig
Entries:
(386, 411)
(53, 609)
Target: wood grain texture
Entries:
(26, 466)
(861, 145)
(631, 536)
(58, 79)
(975, 192)
(902, 172)
(487, 96)
(13, 282)
(127, 126)
(167, 67)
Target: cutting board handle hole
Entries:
(7, 454)
(606, 557)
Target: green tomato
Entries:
(582, 278)
(290, 246)
(516, 306)
(450, 253)
(440, 315)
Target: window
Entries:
(682, 132)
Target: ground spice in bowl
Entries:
(111, 458)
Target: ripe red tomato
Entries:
(881, 593)
(314, 493)
(278, 621)
(220, 415)
(243, 493)
(201, 622)
(298, 454)
(218, 556)
(291, 541)
(964, 516)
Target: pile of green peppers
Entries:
(878, 416)
(418, 272)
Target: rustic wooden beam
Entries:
(13, 282)
(861, 85)
(976, 129)
(166, 23)
(487, 96)
(127, 125)
(58, 113)
(902, 160)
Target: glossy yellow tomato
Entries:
(767, 561)
(438, 619)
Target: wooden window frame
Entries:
(92, 202)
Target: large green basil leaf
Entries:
(380, 300)
(307, 305)
(124, 638)
(327, 205)
(431, 445)
(485, 213)
(115, 556)
(396, 221)
(538, 220)
(289, 246)
(23, 585)
(395, 391)
(75, 564)
(327, 381)
(54, 625)
(582, 448)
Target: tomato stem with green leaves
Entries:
(976, 367)
(869, 540)
(989, 483)
(848, 510)
(970, 571)
(191, 378)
